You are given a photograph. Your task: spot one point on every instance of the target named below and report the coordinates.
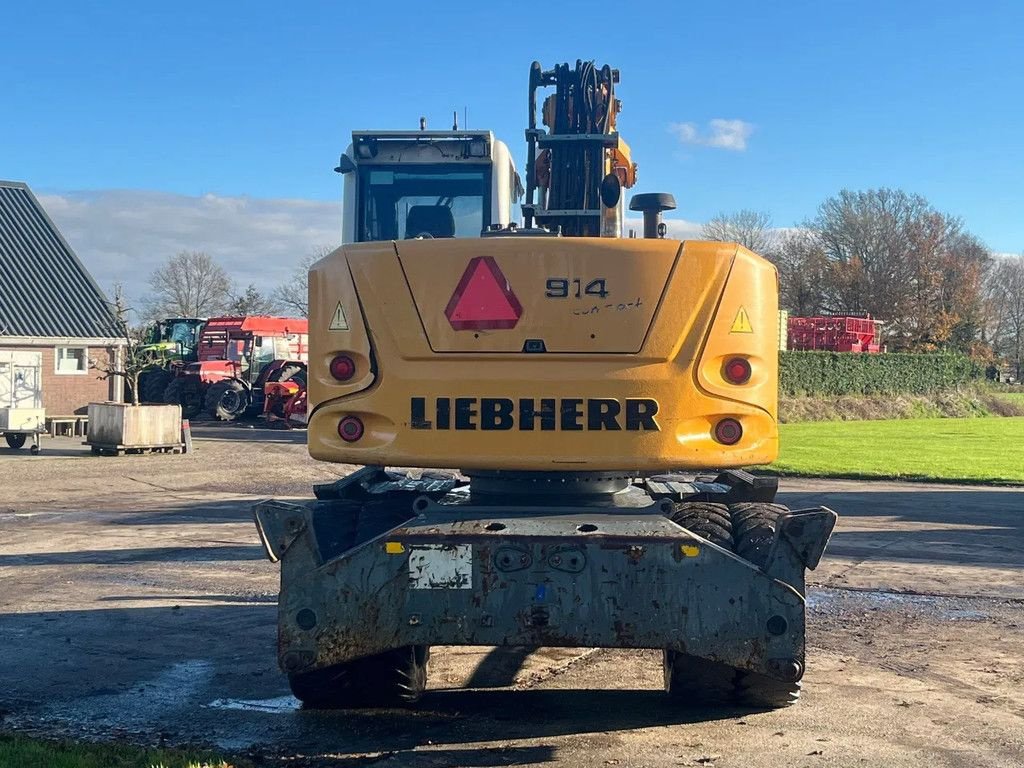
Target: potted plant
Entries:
(131, 427)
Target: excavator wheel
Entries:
(753, 529)
(392, 679)
(696, 681)
(711, 521)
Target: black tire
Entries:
(153, 384)
(753, 529)
(15, 440)
(692, 680)
(761, 692)
(286, 373)
(392, 679)
(227, 400)
(178, 394)
(710, 521)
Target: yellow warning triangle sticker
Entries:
(740, 325)
(339, 322)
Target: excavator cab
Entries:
(402, 185)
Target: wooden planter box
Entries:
(116, 427)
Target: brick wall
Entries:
(68, 393)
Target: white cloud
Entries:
(676, 229)
(719, 133)
(123, 235)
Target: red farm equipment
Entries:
(835, 333)
(237, 357)
(284, 402)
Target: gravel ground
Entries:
(135, 602)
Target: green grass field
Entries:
(21, 752)
(948, 450)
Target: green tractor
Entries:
(171, 343)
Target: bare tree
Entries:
(1006, 291)
(892, 254)
(751, 229)
(190, 284)
(252, 302)
(804, 272)
(133, 358)
(294, 295)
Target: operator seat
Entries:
(433, 220)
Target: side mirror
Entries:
(611, 190)
(345, 165)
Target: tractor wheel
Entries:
(711, 521)
(177, 394)
(753, 530)
(153, 384)
(285, 373)
(392, 679)
(227, 400)
(15, 440)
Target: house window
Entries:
(71, 359)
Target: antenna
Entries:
(465, 118)
(455, 120)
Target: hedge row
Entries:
(845, 373)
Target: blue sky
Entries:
(258, 99)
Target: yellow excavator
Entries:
(593, 397)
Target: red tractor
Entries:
(237, 357)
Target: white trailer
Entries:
(21, 398)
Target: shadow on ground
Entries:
(953, 527)
(205, 673)
(246, 432)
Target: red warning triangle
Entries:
(483, 299)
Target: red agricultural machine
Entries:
(835, 333)
(284, 402)
(236, 358)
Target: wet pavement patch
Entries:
(278, 705)
(833, 601)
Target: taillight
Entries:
(737, 371)
(350, 429)
(343, 367)
(728, 431)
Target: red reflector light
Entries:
(737, 371)
(350, 429)
(728, 431)
(343, 368)
(483, 299)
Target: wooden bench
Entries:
(76, 424)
